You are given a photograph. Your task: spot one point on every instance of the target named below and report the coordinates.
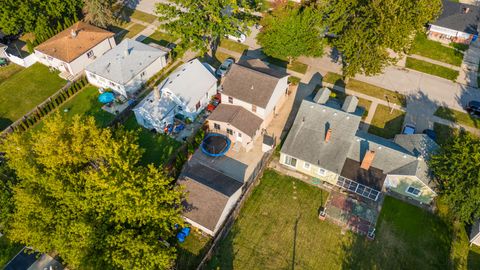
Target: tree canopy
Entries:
(365, 31)
(291, 31)
(36, 15)
(98, 12)
(456, 167)
(81, 193)
(201, 24)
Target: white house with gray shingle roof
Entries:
(325, 143)
(126, 67)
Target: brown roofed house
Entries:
(71, 50)
(252, 93)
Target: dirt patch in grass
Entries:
(432, 69)
(386, 122)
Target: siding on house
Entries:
(400, 183)
(329, 177)
(77, 65)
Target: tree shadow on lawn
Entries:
(4, 123)
(188, 256)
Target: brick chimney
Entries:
(328, 135)
(367, 160)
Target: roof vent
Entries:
(350, 104)
(322, 96)
(73, 33)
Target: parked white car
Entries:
(240, 37)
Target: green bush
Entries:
(24, 125)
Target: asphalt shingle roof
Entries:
(249, 85)
(125, 61)
(65, 47)
(208, 192)
(454, 17)
(238, 117)
(306, 139)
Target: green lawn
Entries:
(158, 147)
(7, 250)
(134, 30)
(435, 50)
(366, 88)
(432, 69)
(458, 117)
(8, 71)
(160, 38)
(138, 15)
(386, 123)
(24, 90)
(294, 66)
(278, 228)
(85, 103)
(233, 45)
(191, 251)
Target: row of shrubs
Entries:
(52, 103)
(187, 150)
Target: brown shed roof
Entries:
(67, 47)
(250, 85)
(238, 117)
(208, 192)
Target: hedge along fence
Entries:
(54, 101)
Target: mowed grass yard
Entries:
(432, 69)
(158, 147)
(386, 122)
(24, 90)
(435, 50)
(278, 228)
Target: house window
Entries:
(216, 126)
(90, 54)
(49, 58)
(306, 166)
(413, 191)
(93, 76)
(321, 172)
(142, 74)
(239, 134)
(230, 100)
(229, 131)
(254, 108)
(291, 161)
(197, 106)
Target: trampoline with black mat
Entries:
(215, 145)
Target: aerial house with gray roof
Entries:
(126, 67)
(325, 143)
(458, 23)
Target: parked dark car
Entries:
(473, 108)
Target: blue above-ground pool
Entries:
(215, 145)
(106, 97)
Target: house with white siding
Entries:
(71, 50)
(325, 143)
(125, 68)
(251, 94)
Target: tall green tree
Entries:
(81, 193)
(291, 31)
(201, 24)
(7, 182)
(365, 31)
(36, 15)
(98, 12)
(456, 167)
